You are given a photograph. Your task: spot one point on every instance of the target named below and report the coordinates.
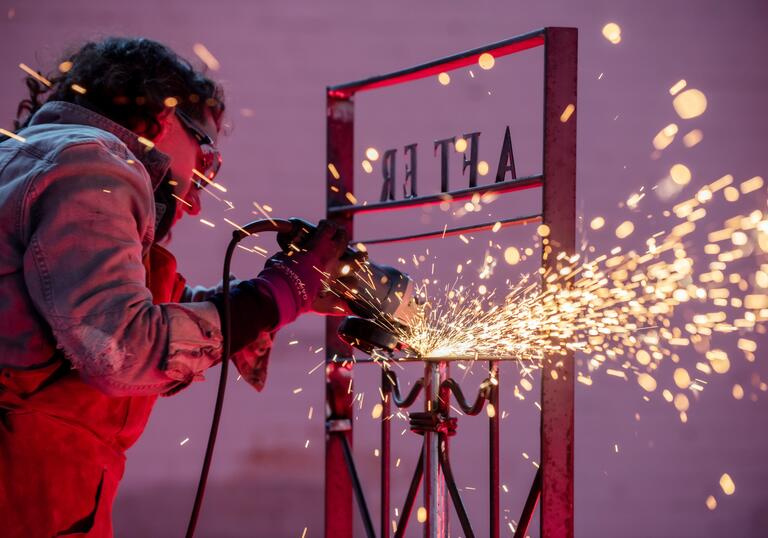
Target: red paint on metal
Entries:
(436, 67)
(338, 380)
(432, 199)
(558, 371)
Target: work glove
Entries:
(291, 284)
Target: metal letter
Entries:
(443, 145)
(410, 173)
(506, 159)
(388, 171)
(472, 162)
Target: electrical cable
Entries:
(275, 225)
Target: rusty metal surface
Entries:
(557, 375)
(338, 377)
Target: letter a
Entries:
(506, 159)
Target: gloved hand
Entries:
(289, 285)
(299, 278)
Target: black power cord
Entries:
(271, 225)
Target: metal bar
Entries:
(450, 482)
(456, 231)
(436, 525)
(361, 504)
(493, 453)
(471, 410)
(344, 207)
(559, 204)
(448, 63)
(530, 506)
(379, 360)
(338, 486)
(394, 386)
(418, 473)
(386, 410)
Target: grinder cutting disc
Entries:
(366, 336)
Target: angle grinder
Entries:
(383, 299)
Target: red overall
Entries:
(62, 442)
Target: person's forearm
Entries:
(253, 310)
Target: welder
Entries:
(107, 153)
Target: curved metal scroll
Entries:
(483, 395)
(394, 388)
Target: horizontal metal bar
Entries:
(448, 63)
(380, 360)
(455, 231)
(511, 185)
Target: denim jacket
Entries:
(77, 216)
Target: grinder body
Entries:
(382, 297)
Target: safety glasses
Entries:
(211, 157)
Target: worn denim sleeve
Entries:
(90, 220)
(252, 361)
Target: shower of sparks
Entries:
(208, 181)
(612, 32)
(617, 308)
(566, 115)
(486, 61)
(205, 55)
(9, 134)
(263, 211)
(34, 74)
(236, 226)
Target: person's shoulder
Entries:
(80, 157)
(49, 142)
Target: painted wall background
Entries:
(640, 478)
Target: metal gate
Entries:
(553, 483)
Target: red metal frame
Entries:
(554, 482)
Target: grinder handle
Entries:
(302, 231)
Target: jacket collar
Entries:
(156, 162)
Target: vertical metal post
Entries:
(386, 410)
(557, 375)
(338, 378)
(436, 526)
(493, 452)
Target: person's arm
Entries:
(195, 294)
(90, 218)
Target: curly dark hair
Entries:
(130, 80)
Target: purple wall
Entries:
(276, 59)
